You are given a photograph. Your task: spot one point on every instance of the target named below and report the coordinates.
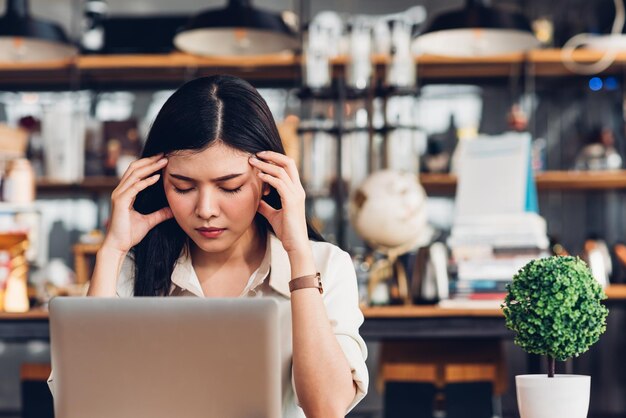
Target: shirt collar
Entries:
(184, 276)
(275, 262)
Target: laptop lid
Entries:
(165, 357)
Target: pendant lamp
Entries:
(237, 29)
(476, 30)
(25, 39)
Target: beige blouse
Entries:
(271, 279)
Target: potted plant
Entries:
(554, 307)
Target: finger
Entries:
(282, 160)
(277, 183)
(266, 210)
(140, 174)
(159, 216)
(142, 162)
(129, 195)
(273, 170)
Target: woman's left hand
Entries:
(289, 222)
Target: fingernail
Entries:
(261, 153)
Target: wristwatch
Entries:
(305, 282)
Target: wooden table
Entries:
(380, 323)
(428, 321)
(387, 322)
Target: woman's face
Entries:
(214, 195)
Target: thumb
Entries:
(266, 210)
(159, 216)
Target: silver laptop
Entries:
(166, 357)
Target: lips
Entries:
(210, 232)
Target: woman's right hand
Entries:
(127, 227)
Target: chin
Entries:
(212, 246)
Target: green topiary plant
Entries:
(554, 306)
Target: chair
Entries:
(37, 400)
(460, 377)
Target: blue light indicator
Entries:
(595, 83)
(610, 83)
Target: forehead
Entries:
(215, 160)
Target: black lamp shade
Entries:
(24, 39)
(237, 29)
(476, 30)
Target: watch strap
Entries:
(305, 282)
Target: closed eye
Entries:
(182, 191)
(229, 191)
(232, 191)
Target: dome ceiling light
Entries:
(238, 29)
(26, 39)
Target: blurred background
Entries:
(378, 103)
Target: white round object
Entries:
(540, 396)
(229, 42)
(389, 209)
(475, 42)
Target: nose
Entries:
(207, 205)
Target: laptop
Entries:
(166, 357)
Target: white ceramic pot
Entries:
(562, 396)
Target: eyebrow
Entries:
(217, 179)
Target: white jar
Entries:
(19, 182)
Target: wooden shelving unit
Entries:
(445, 184)
(436, 184)
(148, 70)
(581, 180)
(102, 71)
(616, 292)
(89, 184)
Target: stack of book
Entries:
(486, 252)
(497, 229)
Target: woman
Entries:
(215, 209)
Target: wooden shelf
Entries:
(616, 291)
(439, 184)
(167, 70)
(148, 70)
(426, 311)
(581, 180)
(34, 314)
(549, 62)
(445, 184)
(88, 185)
(434, 184)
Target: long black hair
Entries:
(202, 111)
